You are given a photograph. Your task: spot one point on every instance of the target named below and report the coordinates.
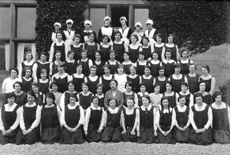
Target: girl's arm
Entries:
(21, 120)
(191, 102)
(90, 63)
(38, 118)
(34, 74)
(163, 54)
(82, 119)
(210, 118)
(213, 83)
(62, 101)
(51, 69)
(20, 71)
(51, 52)
(157, 122)
(135, 100)
(174, 121)
(16, 123)
(137, 120)
(191, 119)
(122, 122)
(59, 114)
(102, 121)
(177, 52)
(4, 86)
(87, 116)
(1, 122)
(62, 120)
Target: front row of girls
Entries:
(150, 123)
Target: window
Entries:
(141, 15)
(117, 12)
(5, 21)
(4, 55)
(26, 17)
(96, 16)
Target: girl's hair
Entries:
(170, 35)
(141, 53)
(43, 71)
(215, 94)
(155, 53)
(70, 52)
(58, 52)
(111, 51)
(59, 32)
(146, 66)
(206, 67)
(120, 65)
(79, 64)
(105, 36)
(146, 96)
(106, 66)
(129, 83)
(17, 82)
(43, 53)
(135, 36)
(168, 82)
(13, 69)
(202, 82)
(34, 84)
(184, 84)
(10, 95)
(85, 83)
(158, 35)
(192, 64)
(180, 97)
(100, 85)
(168, 50)
(50, 95)
(99, 52)
(132, 66)
(70, 82)
(113, 98)
(162, 99)
(93, 66)
(198, 95)
(117, 32)
(143, 84)
(113, 80)
(145, 38)
(29, 52)
(73, 96)
(78, 36)
(130, 98)
(53, 83)
(126, 53)
(31, 93)
(94, 97)
(177, 65)
(161, 67)
(84, 51)
(91, 33)
(156, 85)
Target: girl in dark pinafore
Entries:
(9, 120)
(50, 121)
(134, 78)
(168, 63)
(85, 96)
(29, 132)
(91, 47)
(70, 63)
(85, 62)
(141, 63)
(154, 65)
(112, 118)
(172, 96)
(185, 62)
(173, 47)
(161, 79)
(72, 120)
(105, 79)
(78, 78)
(126, 63)
(77, 47)
(119, 46)
(134, 48)
(92, 79)
(43, 64)
(99, 64)
(93, 121)
(43, 83)
(113, 63)
(105, 47)
(147, 49)
(147, 78)
(159, 47)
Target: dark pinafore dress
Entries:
(112, 131)
(50, 125)
(221, 133)
(174, 53)
(29, 115)
(129, 124)
(85, 101)
(45, 66)
(106, 84)
(93, 126)
(8, 119)
(140, 68)
(146, 126)
(147, 52)
(133, 54)
(43, 87)
(26, 85)
(61, 49)
(193, 83)
(185, 67)
(135, 81)
(162, 84)
(101, 101)
(119, 51)
(24, 67)
(72, 117)
(77, 83)
(207, 83)
(54, 68)
(169, 70)
(172, 100)
(67, 94)
(187, 98)
(182, 120)
(200, 119)
(100, 70)
(126, 68)
(158, 50)
(62, 84)
(91, 49)
(125, 96)
(93, 85)
(176, 83)
(154, 69)
(105, 53)
(208, 99)
(165, 124)
(70, 67)
(85, 67)
(21, 99)
(149, 84)
(113, 67)
(77, 52)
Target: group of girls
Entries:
(121, 86)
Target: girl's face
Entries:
(142, 88)
(185, 54)
(202, 86)
(69, 26)
(85, 88)
(199, 99)
(105, 40)
(184, 88)
(132, 70)
(43, 58)
(155, 56)
(95, 101)
(54, 88)
(157, 89)
(133, 39)
(177, 70)
(93, 71)
(147, 71)
(59, 36)
(158, 39)
(141, 57)
(13, 73)
(83, 55)
(165, 103)
(28, 73)
(112, 56)
(192, 68)
(106, 22)
(145, 42)
(182, 101)
(113, 85)
(98, 56)
(120, 70)
(11, 100)
(148, 26)
(128, 88)
(168, 87)
(71, 87)
(170, 39)
(91, 37)
(43, 76)
(60, 69)
(77, 40)
(138, 29)
(123, 22)
(35, 89)
(71, 55)
(168, 55)
(99, 90)
(204, 71)
(87, 26)
(161, 72)
(30, 98)
(112, 104)
(117, 37)
(130, 103)
(17, 87)
(57, 28)
(58, 56)
(49, 100)
(28, 56)
(107, 70)
(72, 100)
(79, 69)
(145, 102)
(126, 57)
(218, 99)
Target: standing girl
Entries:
(134, 78)
(55, 63)
(57, 28)
(91, 47)
(78, 78)
(185, 61)
(172, 96)
(173, 47)
(38, 96)
(134, 48)
(125, 30)
(43, 83)
(85, 96)
(147, 79)
(155, 97)
(85, 33)
(161, 79)
(69, 32)
(130, 94)
(193, 79)
(121, 78)
(126, 63)
(105, 47)
(147, 49)
(77, 47)
(98, 63)
(159, 47)
(168, 63)
(92, 79)
(43, 64)
(113, 63)
(138, 31)
(106, 29)
(70, 63)
(207, 98)
(27, 80)
(85, 62)
(141, 63)
(20, 96)
(150, 32)
(106, 78)
(154, 65)
(188, 96)
(54, 90)
(119, 46)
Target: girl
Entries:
(147, 79)
(119, 46)
(126, 63)
(77, 47)
(69, 32)
(173, 47)
(43, 64)
(138, 31)
(20, 96)
(141, 63)
(105, 47)
(78, 78)
(50, 124)
(100, 95)
(43, 83)
(150, 32)
(85, 33)
(91, 47)
(28, 63)
(165, 123)
(85, 96)
(125, 30)
(112, 119)
(61, 78)
(147, 49)
(134, 78)
(93, 125)
(161, 79)
(92, 79)
(172, 96)
(146, 129)
(130, 94)
(106, 29)
(221, 117)
(209, 80)
(188, 96)
(38, 96)
(114, 93)
(54, 64)
(155, 97)
(54, 90)
(154, 65)
(193, 79)
(182, 124)
(130, 121)
(59, 45)
(207, 98)
(72, 120)
(27, 80)
(201, 118)
(85, 62)
(185, 61)
(134, 48)
(29, 122)
(112, 62)
(177, 78)
(168, 63)
(121, 78)
(64, 100)
(106, 78)
(57, 28)
(70, 63)
(9, 120)
(159, 47)
(98, 63)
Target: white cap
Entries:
(149, 21)
(58, 24)
(69, 21)
(107, 18)
(138, 24)
(88, 22)
(123, 17)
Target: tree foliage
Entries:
(49, 12)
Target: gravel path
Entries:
(116, 149)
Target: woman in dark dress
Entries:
(78, 78)
(99, 64)
(172, 96)
(92, 79)
(9, 120)
(20, 96)
(161, 79)
(119, 46)
(168, 63)
(85, 62)
(105, 79)
(85, 96)
(77, 47)
(72, 120)
(91, 47)
(147, 78)
(70, 63)
(27, 80)
(134, 48)
(105, 47)
(50, 121)
(193, 79)
(29, 132)
(43, 64)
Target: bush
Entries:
(225, 90)
(49, 12)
